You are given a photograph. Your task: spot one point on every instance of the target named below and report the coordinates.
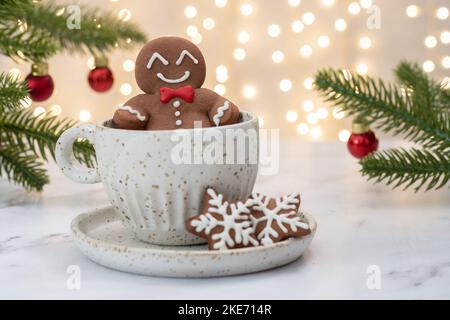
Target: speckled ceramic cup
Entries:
(153, 193)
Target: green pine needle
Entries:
(99, 31)
(417, 108)
(12, 93)
(429, 100)
(40, 134)
(22, 168)
(386, 105)
(399, 167)
(26, 46)
(20, 41)
(48, 30)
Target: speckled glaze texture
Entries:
(101, 237)
(152, 194)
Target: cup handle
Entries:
(66, 160)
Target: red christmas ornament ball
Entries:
(362, 141)
(40, 83)
(101, 77)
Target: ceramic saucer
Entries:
(101, 237)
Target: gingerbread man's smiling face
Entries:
(169, 62)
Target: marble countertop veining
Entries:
(363, 231)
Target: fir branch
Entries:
(99, 31)
(445, 92)
(26, 46)
(418, 107)
(22, 168)
(385, 106)
(427, 169)
(426, 94)
(412, 76)
(17, 40)
(47, 31)
(40, 134)
(12, 93)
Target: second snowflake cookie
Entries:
(259, 220)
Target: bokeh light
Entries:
(84, 116)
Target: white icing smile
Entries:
(186, 75)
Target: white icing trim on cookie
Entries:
(283, 221)
(133, 111)
(221, 112)
(237, 220)
(183, 54)
(186, 75)
(155, 56)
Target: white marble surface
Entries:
(406, 235)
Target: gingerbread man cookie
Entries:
(225, 225)
(171, 72)
(276, 219)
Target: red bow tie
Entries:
(186, 93)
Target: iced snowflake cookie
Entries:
(171, 72)
(225, 225)
(259, 221)
(276, 219)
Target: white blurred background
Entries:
(262, 54)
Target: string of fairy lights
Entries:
(313, 114)
(309, 118)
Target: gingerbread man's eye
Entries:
(183, 54)
(155, 56)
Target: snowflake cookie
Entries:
(225, 225)
(276, 219)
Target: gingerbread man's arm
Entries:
(221, 111)
(132, 115)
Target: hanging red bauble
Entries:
(40, 83)
(362, 141)
(101, 78)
